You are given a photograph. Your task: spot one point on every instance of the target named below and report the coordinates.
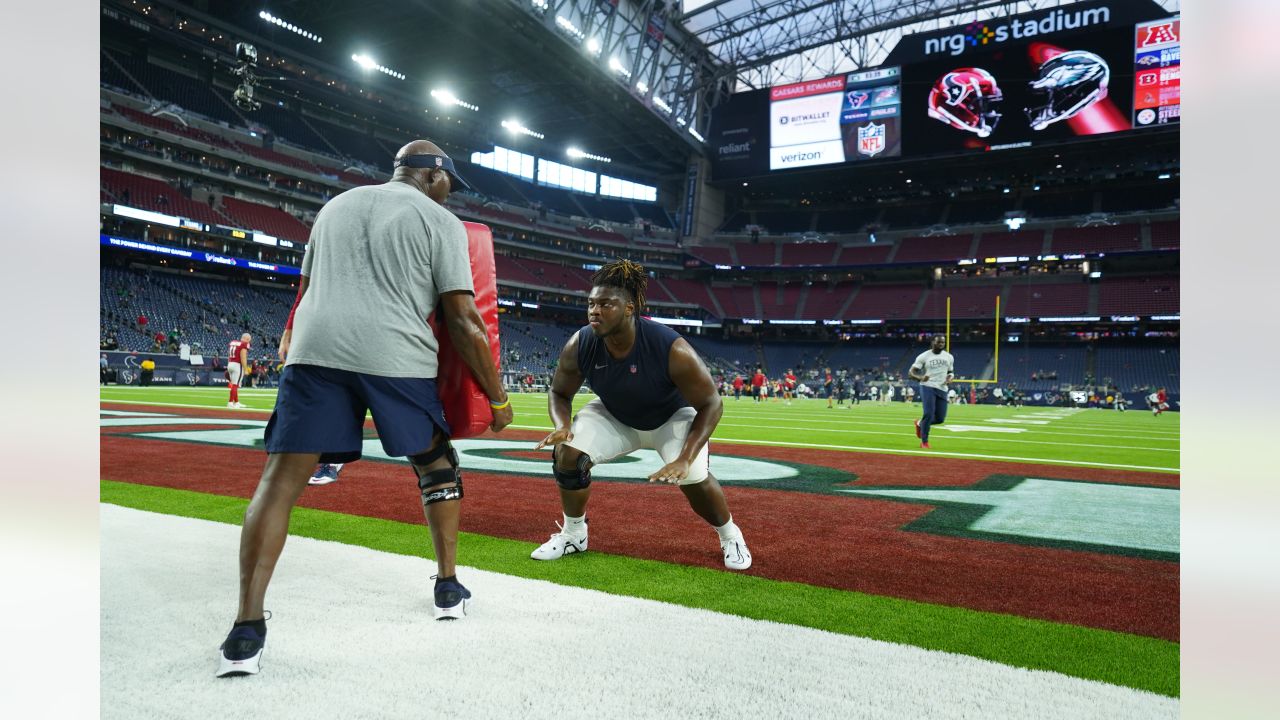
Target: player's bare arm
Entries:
(467, 330)
(918, 375)
(694, 382)
(286, 337)
(564, 385)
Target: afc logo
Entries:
(1160, 34)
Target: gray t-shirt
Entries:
(378, 259)
(936, 367)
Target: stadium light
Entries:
(642, 86)
(369, 63)
(540, 5)
(695, 135)
(593, 46)
(661, 104)
(681, 122)
(616, 65)
(1163, 176)
(447, 98)
(289, 26)
(574, 152)
(565, 24)
(515, 127)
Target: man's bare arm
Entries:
(564, 385)
(694, 382)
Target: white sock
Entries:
(729, 531)
(575, 525)
(337, 467)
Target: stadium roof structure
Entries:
(771, 42)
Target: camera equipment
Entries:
(246, 65)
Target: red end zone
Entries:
(831, 540)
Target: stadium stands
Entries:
(1064, 204)
(690, 292)
(183, 90)
(264, 218)
(933, 249)
(1137, 367)
(1065, 364)
(825, 301)
(780, 301)
(967, 301)
(756, 254)
(896, 301)
(1027, 243)
(1138, 296)
(355, 144)
(783, 222)
(1106, 238)
(1165, 235)
(863, 254)
(713, 254)
(150, 194)
(808, 253)
(849, 220)
(985, 210)
(1048, 299)
(1162, 195)
(910, 216)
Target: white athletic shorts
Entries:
(603, 438)
(234, 373)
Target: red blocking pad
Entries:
(466, 407)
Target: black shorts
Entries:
(322, 410)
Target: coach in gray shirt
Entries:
(380, 259)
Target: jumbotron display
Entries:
(1086, 69)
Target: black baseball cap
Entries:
(444, 162)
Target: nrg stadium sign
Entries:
(977, 34)
(992, 32)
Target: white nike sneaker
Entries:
(239, 404)
(231, 404)
(736, 554)
(559, 545)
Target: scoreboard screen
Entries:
(835, 120)
(1157, 73)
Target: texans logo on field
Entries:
(126, 377)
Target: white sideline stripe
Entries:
(895, 451)
(351, 636)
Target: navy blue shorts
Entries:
(322, 410)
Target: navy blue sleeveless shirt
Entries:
(636, 390)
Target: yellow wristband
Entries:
(505, 404)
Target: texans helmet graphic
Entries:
(966, 99)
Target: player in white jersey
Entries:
(933, 368)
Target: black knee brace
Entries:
(576, 479)
(428, 479)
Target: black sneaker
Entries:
(452, 599)
(241, 652)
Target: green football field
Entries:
(1133, 440)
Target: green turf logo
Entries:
(1132, 520)
(494, 456)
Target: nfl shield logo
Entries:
(871, 139)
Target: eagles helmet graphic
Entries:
(966, 98)
(1067, 84)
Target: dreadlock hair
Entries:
(624, 274)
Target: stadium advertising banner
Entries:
(1044, 76)
(199, 255)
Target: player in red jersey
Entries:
(737, 386)
(788, 386)
(237, 363)
(757, 385)
(1158, 402)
